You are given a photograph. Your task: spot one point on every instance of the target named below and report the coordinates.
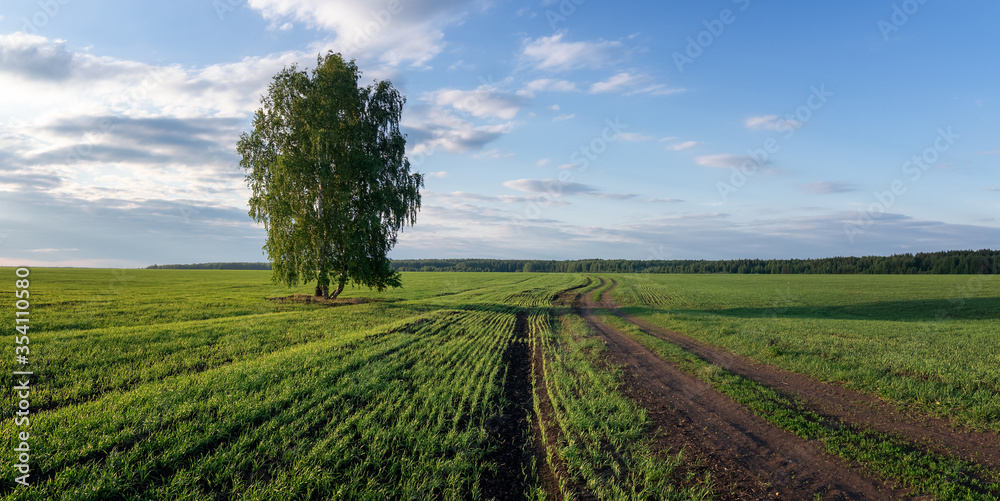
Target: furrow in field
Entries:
(748, 455)
(835, 401)
(511, 428)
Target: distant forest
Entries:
(947, 262)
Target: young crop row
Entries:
(926, 343)
(602, 435)
(389, 412)
(75, 366)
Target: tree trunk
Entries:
(340, 288)
(322, 282)
(341, 280)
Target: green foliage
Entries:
(326, 165)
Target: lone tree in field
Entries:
(327, 167)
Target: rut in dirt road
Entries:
(835, 401)
(748, 457)
(509, 429)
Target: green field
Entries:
(174, 384)
(930, 342)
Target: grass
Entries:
(927, 343)
(892, 457)
(192, 385)
(604, 437)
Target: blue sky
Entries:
(551, 129)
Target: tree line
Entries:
(984, 261)
(945, 262)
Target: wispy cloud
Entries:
(494, 154)
(771, 122)
(555, 54)
(555, 187)
(433, 128)
(631, 84)
(725, 161)
(682, 146)
(828, 187)
(546, 85)
(54, 250)
(634, 137)
(483, 102)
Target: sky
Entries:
(546, 129)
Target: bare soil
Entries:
(511, 429)
(748, 458)
(837, 402)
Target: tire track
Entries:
(510, 429)
(835, 401)
(747, 456)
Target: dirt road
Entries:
(748, 457)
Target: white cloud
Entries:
(557, 188)
(615, 83)
(483, 102)
(546, 85)
(632, 84)
(438, 174)
(97, 127)
(682, 146)
(64, 82)
(552, 53)
(393, 33)
(828, 187)
(634, 137)
(771, 122)
(560, 118)
(432, 128)
(543, 162)
(493, 154)
(725, 161)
